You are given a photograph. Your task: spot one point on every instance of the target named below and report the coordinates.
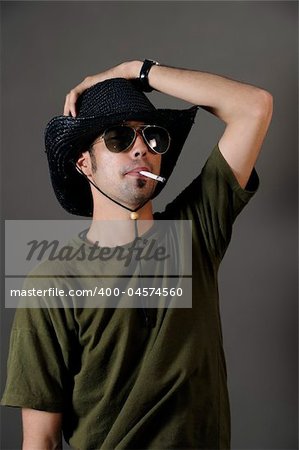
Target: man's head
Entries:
(114, 161)
(112, 102)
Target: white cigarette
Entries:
(151, 175)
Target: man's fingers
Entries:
(72, 96)
(70, 103)
(66, 109)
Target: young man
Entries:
(115, 378)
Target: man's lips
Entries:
(136, 170)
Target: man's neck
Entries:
(112, 224)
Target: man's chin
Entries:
(140, 183)
(138, 193)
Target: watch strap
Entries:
(143, 76)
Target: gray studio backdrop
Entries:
(48, 47)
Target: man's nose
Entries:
(139, 148)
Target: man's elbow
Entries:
(44, 443)
(41, 430)
(262, 105)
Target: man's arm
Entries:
(41, 430)
(245, 109)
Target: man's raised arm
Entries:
(245, 109)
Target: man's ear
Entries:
(84, 163)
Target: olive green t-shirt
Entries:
(121, 385)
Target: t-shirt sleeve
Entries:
(213, 201)
(39, 363)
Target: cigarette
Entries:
(151, 175)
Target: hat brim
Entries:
(67, 137)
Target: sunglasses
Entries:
(120, 138)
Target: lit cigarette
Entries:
(152, 176)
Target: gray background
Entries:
(48, 47)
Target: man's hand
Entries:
(128, 70)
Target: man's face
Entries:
(117, 174)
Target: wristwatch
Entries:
(143, 76)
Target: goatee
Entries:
(140, 183)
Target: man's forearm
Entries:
(227, 99)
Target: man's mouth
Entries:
(136, 171)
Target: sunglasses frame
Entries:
(137, 130)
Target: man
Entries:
(105, 377)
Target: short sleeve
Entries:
(213, 201)
(40, 362)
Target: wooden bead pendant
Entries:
(134, 215)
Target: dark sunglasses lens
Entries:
(157, 138)
(118, 139)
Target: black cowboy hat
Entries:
(107, 103)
